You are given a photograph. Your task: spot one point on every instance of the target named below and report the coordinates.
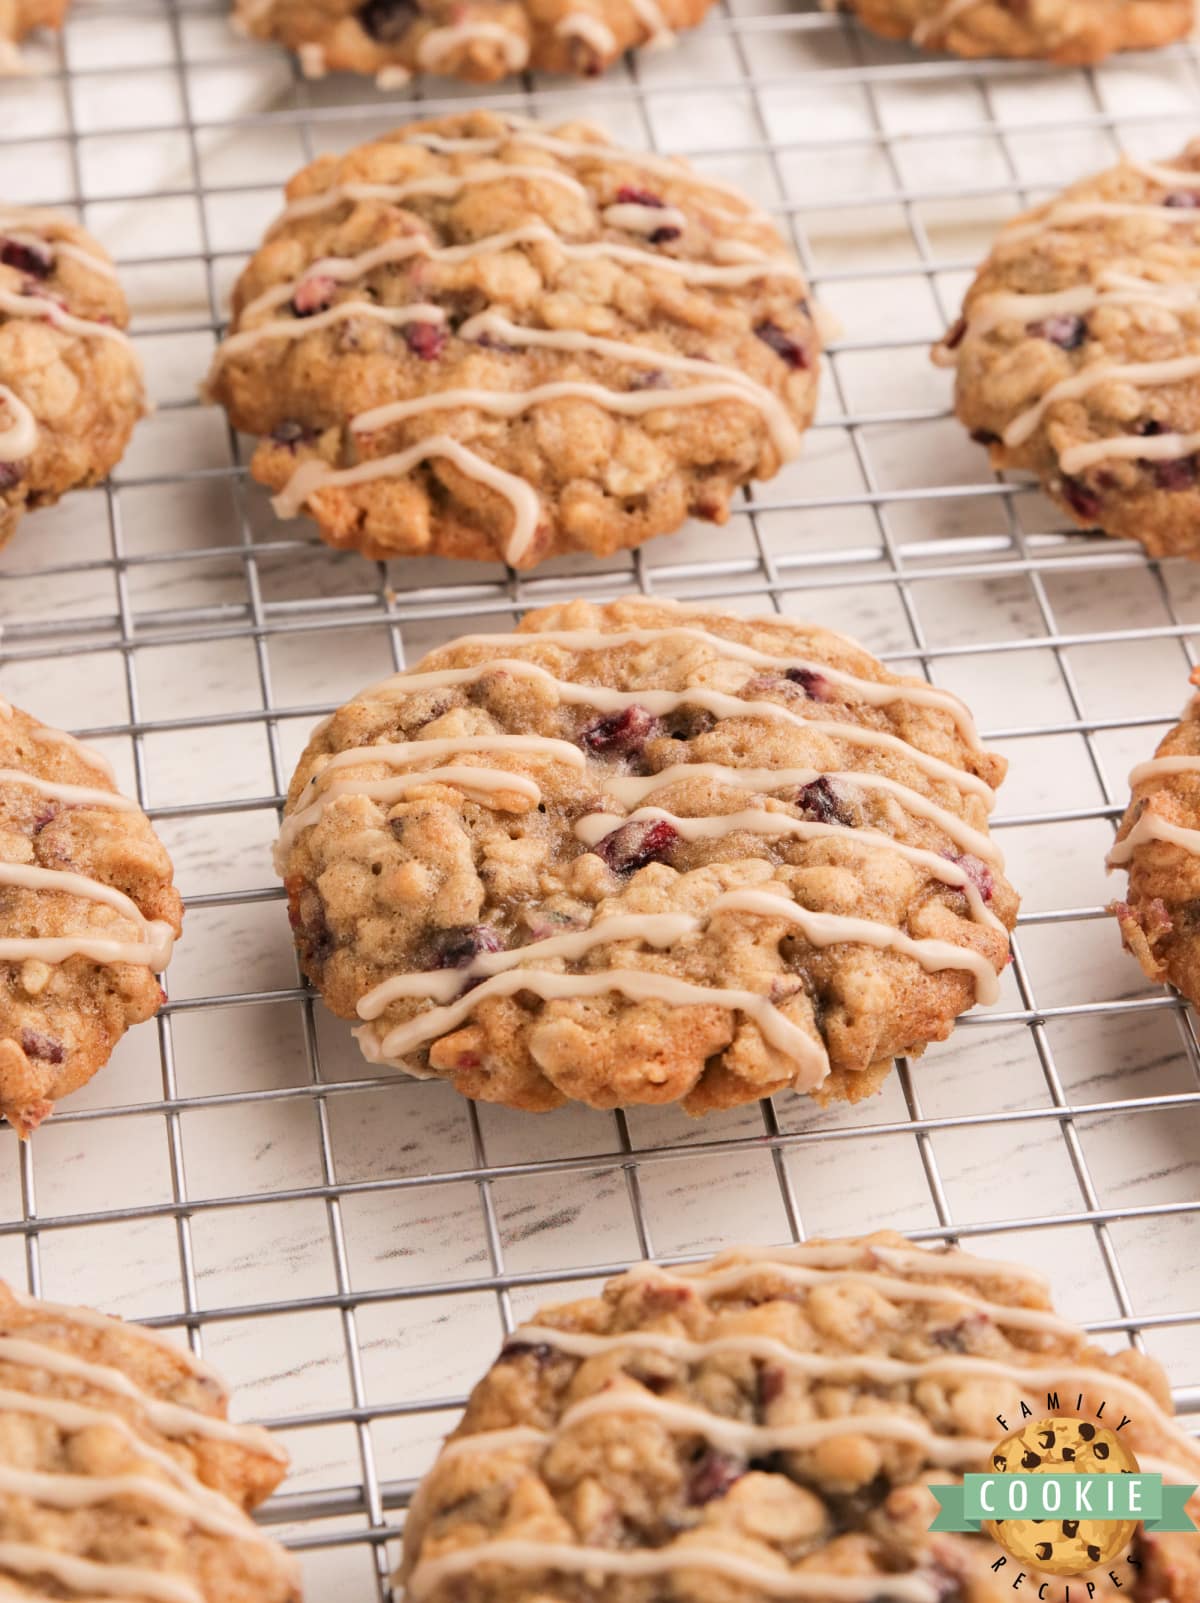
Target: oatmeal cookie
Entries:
(767, 1425)
(88, 915)
(70, 381)
(21, 17)
(1077, 355)
(1159, 844)
(475, 40)
(483, 338)
(120, 1474)
(645, 853)
(1069, 32)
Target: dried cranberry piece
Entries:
(1149, 428)
(628, 195)
(306, 915)
(663, 236)
(955, 334)
(455, 947)
(653, 378)
(634, 845)
(44, 1048)
(27, 257)
(712, 1475)
(771, 1381)
(10, 473)
(426, 340)
(820, 801)
(815, 685)
(976, 871)
(1069, 332)
(1084, 503)
(623, 732)
(1178, 473)
(387, 20)
(985, 437)
(782, 344)
(1184, 199)
(291, 434)
(540, 1351)
(313, 295)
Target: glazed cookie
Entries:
(1069, 32)
(1078, 352)
(481, 338)
(88, 916)
(21, 17)
(644, 853)
(120, 1474)
(70, 381)
(1159, 844)
(766, 1425)
(479, 41)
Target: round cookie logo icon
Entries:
(1062, 1539)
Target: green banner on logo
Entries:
(1107, 1498)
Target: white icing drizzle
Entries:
(1153, 827)
(659, 32)
(345, 269)
(782, 429)
(69, 795)
(667, 929)
(1168, 177)
(313, 475)
(637, 218)
(639, 985)
(45, 736)
(76, 1314)
(294, 328)
(71, 1417)
(1162, 767)
(736, 1436)
(37, 220)
(171, 1419)
(48, 311)
(85, 1491)
(631, 790)
(727, 1273)
(874, 692)
(1069, 212)
(439, 43)
(720, 704)
(656, 929)
(442, 185)
(583, 25)
(1127, 447)
(754, 821)
(19, 434)
(518, 1554)
(154, 950)
(934, 27)
(97, 1580)
(1138, 374)
(1109, 289)
(870, 1367)
(481, 784)
(393, 76)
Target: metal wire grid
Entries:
(336, 1520)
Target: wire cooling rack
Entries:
(348, 1245)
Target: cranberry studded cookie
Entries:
(1069, 32)
(766, 1425)
(479, 40)
(88, 915)
(481, 338)
(120, 1474)
(21, 17)
(1159, 844)
(640, 853)
(70, 381)
(1077, 355)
